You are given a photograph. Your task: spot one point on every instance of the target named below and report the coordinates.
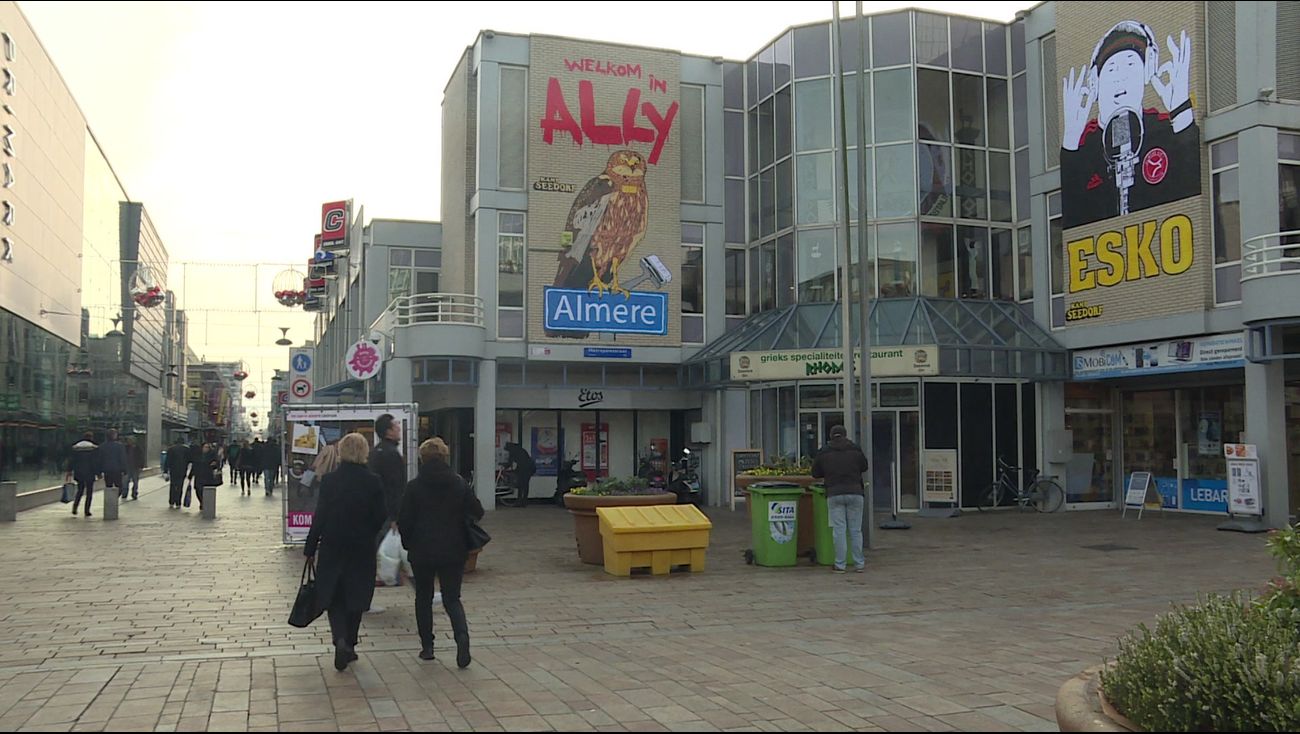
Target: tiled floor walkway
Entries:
(163, 621)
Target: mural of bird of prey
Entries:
(606, 222)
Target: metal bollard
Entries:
(110, 503)
(8, 501)
(209, 503)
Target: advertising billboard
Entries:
(1133, 169)
(604, 215)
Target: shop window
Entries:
(968, 108)
(819, 396)
(937, 276)
(733, 140)
(934, 180)
(972, 187)
(784, 195)
(734, 214)
(511, 162)
(1025, 263)
(817, 256)
(734, 266)
(813, 115)
(892, 92)
(1227, 221)
(999, 121)
(972, 262)
(931, 39)
(895, 185)
(891, 39)
(785, 271)
(1000, 187)
(767, 200)
(816, 188)
(995, 49)
(692, 137)
(967, 44)
(733, 86)
(1004, 265)
(933, 100)
(783, 115)
(852, 57)
(896, 253)
(812, 51)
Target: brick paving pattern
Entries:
(163, 621)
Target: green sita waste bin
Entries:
(774, 521)
(823, 536)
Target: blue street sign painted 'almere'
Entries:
(580, 310)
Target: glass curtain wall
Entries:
(937, 115)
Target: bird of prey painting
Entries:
(606, 222)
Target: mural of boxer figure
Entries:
(1129, 157)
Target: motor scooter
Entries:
(686, 479)
(649, 470)
(567, 478)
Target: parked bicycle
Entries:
(1043, 493)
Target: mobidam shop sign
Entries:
(810, 364)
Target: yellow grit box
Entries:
(658, 537)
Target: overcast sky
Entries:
(233, 122)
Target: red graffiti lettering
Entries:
(607, 68)
(559, 118)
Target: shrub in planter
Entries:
(1222, 665)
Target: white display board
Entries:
(1244, 496)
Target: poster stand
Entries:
(1139, 489)
(939, 492)
(1245, 502)
(742, 460)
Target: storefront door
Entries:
(895, 456)
(1151, 438)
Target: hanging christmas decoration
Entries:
(241, 375)
(145, 288)
(250, 394)
(288, 288)
(253, 414)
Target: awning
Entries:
(975, 338)
(357, 388)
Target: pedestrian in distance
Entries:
(134, 465)
(350, 512)
(435, 506)
(83, 465)
(206, 472)
(178, 464)
(387, 462)
(113, 464)
(840, 464)
(232, 458)
(270, 463)
(524, 467)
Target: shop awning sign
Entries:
(1218, 352)
(812, 364)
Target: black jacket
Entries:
(432, 519)
(84, 462)
(204, 470)
(112, 458)
(270, 456)
(349, 513)
(841, 463)
(178, 460)
(386, 461)
(523, 462)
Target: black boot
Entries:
(460, 628)
(426, 653)
(462, 650)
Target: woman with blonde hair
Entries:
(349, 512)
(435, 506)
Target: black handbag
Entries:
(475, 536)
(306, 608)
(188, 493)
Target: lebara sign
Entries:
(581, 311)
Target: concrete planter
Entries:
(1081, 706)
(586, 524)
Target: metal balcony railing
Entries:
(434, 308)
(1270, 254)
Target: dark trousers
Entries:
(344, 625)
(132, 482)
(114, 479)
(177, 489)
(522, 479)
(88, 488)
(449, 578)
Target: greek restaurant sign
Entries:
(1221, 351)
(641, 312)
(808, 364)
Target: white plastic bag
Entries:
(390, 558)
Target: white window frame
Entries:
(1214, 217)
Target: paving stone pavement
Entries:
(163, 621)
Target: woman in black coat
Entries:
(349, 512)
(206, 471)
(432, 521)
